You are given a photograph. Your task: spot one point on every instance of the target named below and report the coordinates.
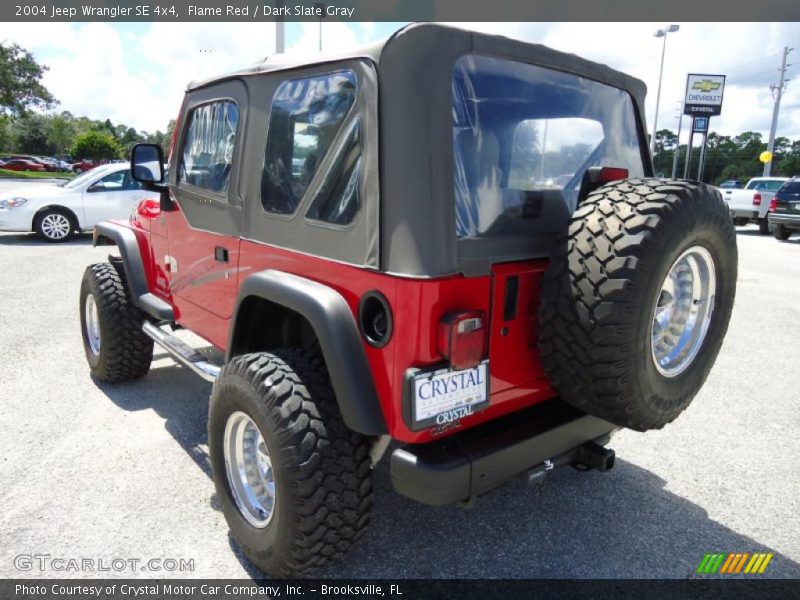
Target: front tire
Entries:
(116, 347)
(637, 298)
(294, 482)
(55, 226)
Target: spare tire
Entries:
(637, 298)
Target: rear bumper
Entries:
(788, 221)
(473, 462)
(740, 213)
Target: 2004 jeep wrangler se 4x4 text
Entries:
(450, 240)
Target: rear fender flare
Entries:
(335, 327)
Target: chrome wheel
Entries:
(683, 311)
(249, 469)
(56, 226)
(92, 325)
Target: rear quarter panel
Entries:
(417, 307)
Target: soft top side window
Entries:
(306, 119)
(208, 146)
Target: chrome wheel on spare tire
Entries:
(683, 311)
(249, 469)
(636, 300)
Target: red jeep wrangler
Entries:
(450, 240)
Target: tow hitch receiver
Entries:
(594, 456)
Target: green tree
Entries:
(20, 81)
(169, 135)
(666, 142)
(96, 145)
(5, 133)
(30, 134)
(61, 132)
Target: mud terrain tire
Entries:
(604, 284)
(321, 469)
(120, 350)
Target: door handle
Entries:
(221, 254)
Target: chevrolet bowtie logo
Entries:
(706, 85)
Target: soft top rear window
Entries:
(790, 187)
(522, 138)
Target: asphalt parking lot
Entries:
(100, 472)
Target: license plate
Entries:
(444, 396)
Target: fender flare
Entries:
(132, 263)
(335, 327)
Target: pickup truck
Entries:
(750, 205)
(784, 211)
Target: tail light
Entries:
(462, 338)
(756, 199)
(773, 204)
(609, 174)
(601, 175)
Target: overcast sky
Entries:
(135, 73)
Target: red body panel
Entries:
(204, 299)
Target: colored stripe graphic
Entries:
(765, 563)
(741, 562)
(704, 563)
(728, 562)
(734, 562)
(711, 562)
(749, 568)
(717, 563)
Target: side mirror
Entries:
(97, 186)
(147, 164)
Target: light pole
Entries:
(660, 33)
(678, 143)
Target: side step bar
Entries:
(182, 352)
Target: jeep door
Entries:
(204, 230)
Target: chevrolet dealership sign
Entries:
(704, 95)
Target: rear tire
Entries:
(764, 227)
(319, 470)
(600, 331)
(780, 233)
(116, 347)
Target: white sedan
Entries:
(56, 211)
